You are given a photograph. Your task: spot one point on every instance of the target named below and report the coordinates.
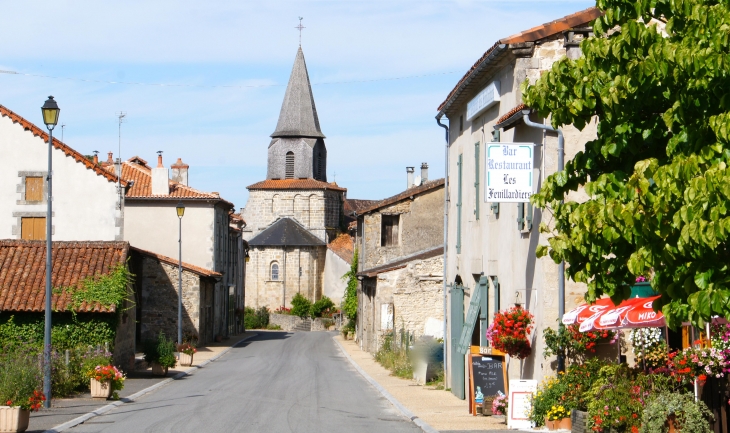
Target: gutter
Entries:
(446, 232)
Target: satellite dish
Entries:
(417, 181)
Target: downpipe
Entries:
(446, 235)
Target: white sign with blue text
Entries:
(510, 177)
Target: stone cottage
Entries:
(400, 246)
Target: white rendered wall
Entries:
(334, 269)
(84, 202)
(153, 226)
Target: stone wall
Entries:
(304, 273)
(265, 206)
(288, 322)
(125, 339)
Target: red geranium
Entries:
(509, 330)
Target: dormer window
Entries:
(290, 165)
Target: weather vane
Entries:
(300, 27)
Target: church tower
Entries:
(297, 149)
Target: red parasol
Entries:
(585, 311)
(643, 315)
(631, 313)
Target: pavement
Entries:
(64, 410)
(439, 410)
(275, 382)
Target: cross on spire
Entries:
(300, 27)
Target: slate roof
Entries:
(186, 266)
(38, 132)
(142, 187)
(23, 272)
(343, 246)
(298, 116)
(412, 191)
(531, 35)
(401, 263)
(285, 232)
(307, 183)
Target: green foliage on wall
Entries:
(67, 332)
(657, 176)
(300, 306)
(349, 301)
(108, 290)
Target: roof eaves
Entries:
(413, 191)
(512, 118)
(187, 266)
(402, 262)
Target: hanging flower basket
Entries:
(509, 332)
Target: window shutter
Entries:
(394, 229)
(290, 165)
(33, 229)
(33, 189)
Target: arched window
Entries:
(275, 271)
(290, 165)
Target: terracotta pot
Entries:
(186, 360)
(549, 424)
(564, 424)
(13, 419)
(158, 370)
(671, 420)
(101, 389)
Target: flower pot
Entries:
(101, 389)
(549, 424)
(158, 370)
(186, 360)
(564, 424)
(671, 421)
(13, 419)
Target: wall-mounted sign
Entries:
(485, 99)
(509, 173)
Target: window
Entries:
(459, 165)
(34, 188)
(275, 272)
(289, 165)
(33, 229)
(389, 230)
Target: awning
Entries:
(631, 313)
(586, 311)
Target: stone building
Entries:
(293, 214)
(495, 242)
(400, 247)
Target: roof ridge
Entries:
(68, 150)
(427, 186)
(170, 260)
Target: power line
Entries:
(137, 83)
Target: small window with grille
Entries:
(290, 165)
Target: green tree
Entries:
(300, 306)
(657, 176)
(349, 301)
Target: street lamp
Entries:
(50, 112)
(180, 208)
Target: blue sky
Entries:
(225, 65)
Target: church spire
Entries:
(298, 116)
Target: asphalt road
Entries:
(276, 382)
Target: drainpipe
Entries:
(561, 266)
(446, 229)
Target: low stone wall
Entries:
(318, 324)
(286, 321)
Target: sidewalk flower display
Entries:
(499, 405)
(649, 347)
(697, 363)
(160, 354)
(105, 379)
(509, 332)
(571, 343)
(186, 350)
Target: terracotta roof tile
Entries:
(308, 183)
(23, 271)
(352, 206)
(343, 245)
(532, 35)
(187, 266)
(511, 113)
(38, 132)
(415, 190)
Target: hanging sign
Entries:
(485, 99)
(509, 173)
(520, 395)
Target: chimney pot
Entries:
(409, 176)
(96, 159)
(159, 160)
(110, 158)
(424, 172)
(180, 172)
(160, 178)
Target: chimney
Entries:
(110, 158)
(160, 178)
(409, 172)
(424, 172)
(180, 172)
(96, 157)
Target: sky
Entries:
(204, 81)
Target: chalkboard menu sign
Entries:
(487, 377)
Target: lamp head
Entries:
(180, 208)
(50, 112)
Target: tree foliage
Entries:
(349, 302)
(657, 176)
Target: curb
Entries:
(83, 418)
(407, 413)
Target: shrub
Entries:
(349, 301)
(256, 319)
(161, 351)
(394, 357)
(300, 306)
(273, 327)
(688, 415)
(320, 307)
(68, 330)
(20, 377)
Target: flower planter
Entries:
(101, 389)
(13, 419)
(186, 360)
(579, 421)
(158, 370)
(563, 424)
(549, 424)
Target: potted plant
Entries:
(20, 388)
(186, 350)
(499, 405)
(669, 412)
(105, 379)
(558, 417)
(569, 342)
(509, 332)
(160, 354)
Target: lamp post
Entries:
(180, 208)
(50, 112)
